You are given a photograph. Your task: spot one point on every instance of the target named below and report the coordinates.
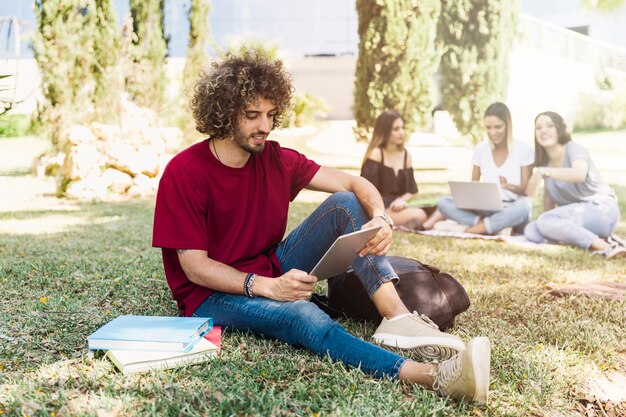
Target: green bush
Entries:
(197, 60)
(396, 61)
(148, 79)
(601, 110)
(306, 109)
(475, 36)
(12, 125)
(197, 43)
(63, 45)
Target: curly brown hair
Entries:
(229, 86)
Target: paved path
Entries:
(19, 190)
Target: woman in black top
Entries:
(388, 166)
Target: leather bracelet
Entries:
(248, 282)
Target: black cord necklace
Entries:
(215, 150)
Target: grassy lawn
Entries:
(66, 269)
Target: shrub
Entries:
(306, 109)
(198, 39)
(12, 125)
(601, 110)
(64, 50)
(475, 36)
(196, 60)
(106, 70)
(396, 61)
(147, 80)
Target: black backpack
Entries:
(422, 288)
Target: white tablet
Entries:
(342, 253)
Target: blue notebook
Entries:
(174, 334)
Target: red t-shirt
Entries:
(237, 215)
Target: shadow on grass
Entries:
(18, 172)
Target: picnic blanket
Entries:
(518, 240)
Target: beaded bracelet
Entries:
(247, 285)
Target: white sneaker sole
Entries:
(439, 348)
(480, 351)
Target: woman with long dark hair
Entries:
(388, 165)
(580, 208)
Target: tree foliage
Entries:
(396, 61)
(605, 6)
(146, 81)
(106, 68)
(76, 48)
(64, 49)
(475, 36)
(196, 60)
(198, 41)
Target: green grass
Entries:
(13, 125)
(85, 265)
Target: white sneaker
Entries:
(507, 231)
(616, 251)
(417, 332)
(466, 376)
(449, 226)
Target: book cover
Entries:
(132, 361)
(150, 333)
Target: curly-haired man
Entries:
(220, 219)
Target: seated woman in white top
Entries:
(502, 160)
(580, 208)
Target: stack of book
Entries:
(142, 343)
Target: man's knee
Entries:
(310, 323)
(349, 204)
(345, 198)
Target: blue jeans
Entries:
(515, 214)
(302, 323)
(577, 224)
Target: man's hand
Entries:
(533, 183)
(398, 204)
(293, 285)
(381, 242)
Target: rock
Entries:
(81, 161)
(79, 134)
(117, 181)
(173, 138)
(48, 165)
(93, 187)
(125, 159)
(143, 186)
(106, 132)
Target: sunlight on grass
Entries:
(49, 224)
(67, 267)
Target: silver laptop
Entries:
(473, 195)
(342, 253)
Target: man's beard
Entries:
(241, 139)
